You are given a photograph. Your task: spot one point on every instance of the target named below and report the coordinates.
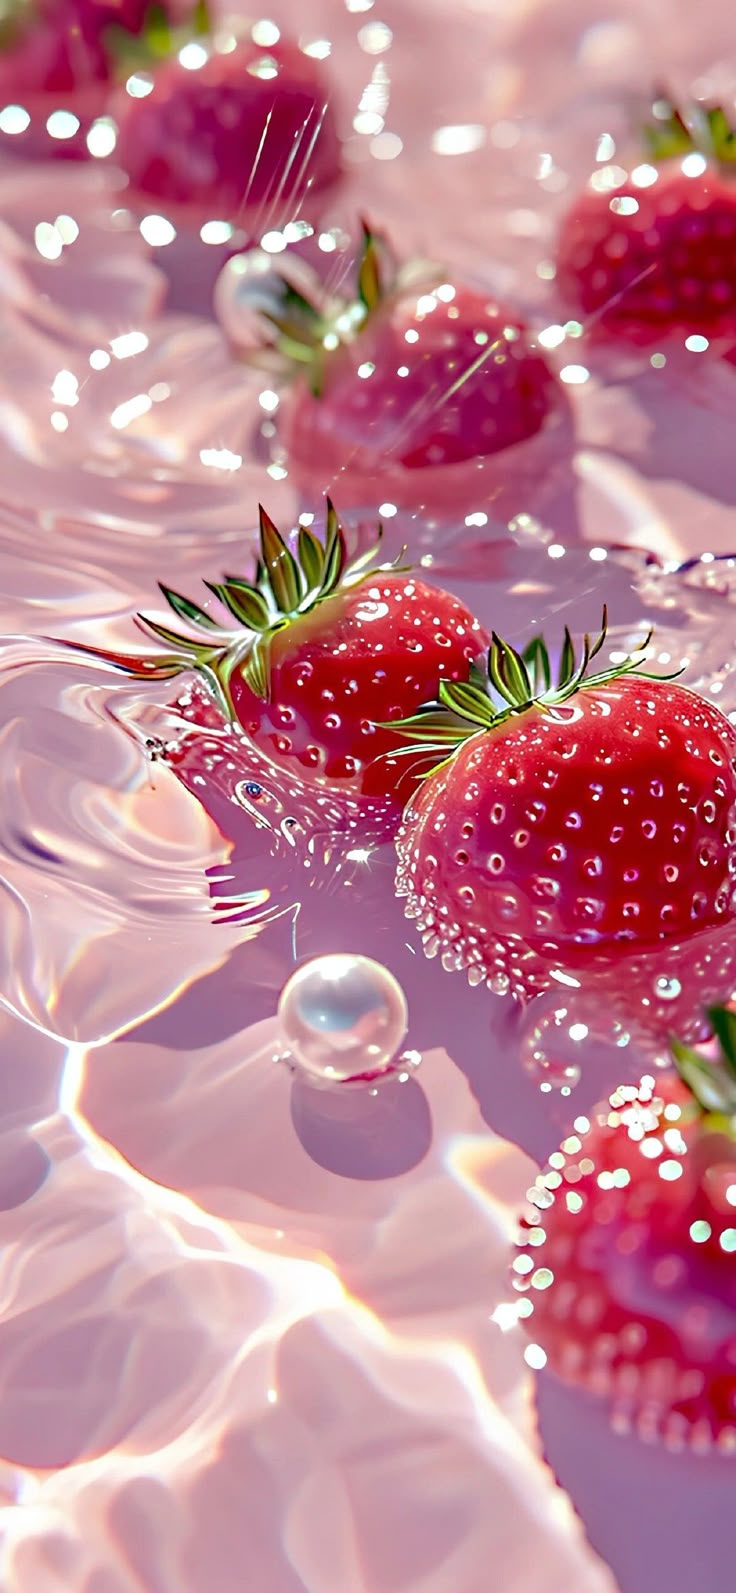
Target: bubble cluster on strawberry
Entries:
(627, 1253)
(415, 374)
(247, 135)
(568, 823)
(319, 650)
(650, 252)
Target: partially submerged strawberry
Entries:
(568, 822)
(54, 58)
(68, 55)
(651, 252)
(247, 136)
(413, 388)
(318, 650)
(627, 1264)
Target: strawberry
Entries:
(570, 824)
(323, 647)
(66, 54)
(414, 379)
(626, 1265)
(651, 252)
(54, 57)
(249, 133)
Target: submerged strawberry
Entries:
(415, 375)
(571, 823)
(627, 1266)
(248, 133)
(322, 648)
(652, 252)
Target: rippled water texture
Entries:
(255, 1331)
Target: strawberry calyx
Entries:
(696, 129)
(285, 587)
(303, 326)
(711, 1079)
(510, 683)
(158, 40)
(16, 17)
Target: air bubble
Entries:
(343, 1018)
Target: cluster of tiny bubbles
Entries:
(561, 1033)
(342, 1020)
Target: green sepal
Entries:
(16, 18)
(280, 567)
(723, 1024)
(491, 696)
(335, 555)
(536, 658)
(244, 603)
(311, 325)
(508, 672)
(286, 586)
(185, 609)
(256, 672)
(163, 633)
(465, 701)
(676, 132)
(157, 40)
(712, 1083)
(311, 556)
(161, 667)
(298, 322)
(370, 286)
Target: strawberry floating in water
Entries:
(320, 648)
(571, 822)
(52, 58)
(416, 389)
(651, 252)
(627, 1266)
(248, 135)
(67, 55)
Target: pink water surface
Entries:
(252, 1334)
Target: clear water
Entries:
(252, 1331)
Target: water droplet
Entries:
(550, 1050)
(668, 989)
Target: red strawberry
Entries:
(652, 252)
(413, 388)
(248, 133)
(54, 58)
(65, 54)
(322, 649)
(571, 824)
(626, 1265)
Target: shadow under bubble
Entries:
(356, 1134)
(24, 1167)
